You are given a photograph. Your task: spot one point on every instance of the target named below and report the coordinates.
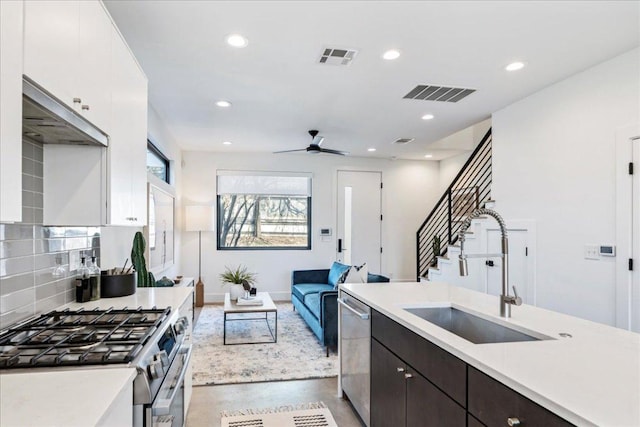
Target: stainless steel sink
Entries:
(470, 327)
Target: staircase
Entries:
(470, 189)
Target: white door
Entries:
(635, 249)
(520, 263)
(359, 219)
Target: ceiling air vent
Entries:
(438, 93)
(401, 141)
(337, 56)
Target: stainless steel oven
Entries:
(167, 409)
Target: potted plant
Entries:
(236, 278)
(435, 245)
(145, 278)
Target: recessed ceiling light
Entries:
(427, 117)
(515, 66)
(371, 149)
(223, 104)
(428, 156)
(236, 40)
(227, 143)
(390, 55)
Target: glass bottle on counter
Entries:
(83, 288)
(94, 279)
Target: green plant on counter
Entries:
(237, 276)
(145, 278)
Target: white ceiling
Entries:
(279, 90)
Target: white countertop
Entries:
(591, 379)
(60, 398)
(76, 397)
(144, 297)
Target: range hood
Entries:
(48, 120)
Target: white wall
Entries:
(115, 242)
(450, 167)
(468, 138)
(410, 190)
(554, 162)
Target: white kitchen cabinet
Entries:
(11, 25)
(95, 64)
(51, 32)
(127, 200)
(92, 185)
(67, 48)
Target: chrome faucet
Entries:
(506, 301)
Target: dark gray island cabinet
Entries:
(415, 383)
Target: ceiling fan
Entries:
(315, 146)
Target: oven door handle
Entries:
(164, 405)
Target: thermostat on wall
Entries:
(325, 232)
(607, 250)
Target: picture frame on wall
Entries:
(463, 202)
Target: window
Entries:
(157, 163)
(263, 210)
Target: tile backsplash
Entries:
(35, 273)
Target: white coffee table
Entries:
(231, 307)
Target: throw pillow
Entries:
(337, 273)
(364, 272)
(357, 274)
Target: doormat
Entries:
(308, 415)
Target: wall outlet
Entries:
(591, 252)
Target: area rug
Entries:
(308, 415)
(296, 355)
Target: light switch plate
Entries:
(591, 252)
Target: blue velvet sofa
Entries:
(314, 295)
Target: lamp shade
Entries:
(199, 218)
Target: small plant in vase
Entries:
(236, 278)
(435, 245)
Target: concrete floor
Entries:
(208, 401)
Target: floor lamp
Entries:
(199, 218)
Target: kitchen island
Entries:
(75, 396)
(586, 373)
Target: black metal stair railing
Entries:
(468, 191)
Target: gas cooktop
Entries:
(79, 337)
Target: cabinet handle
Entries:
(513, 421)
(85, 107)
(77, 100)
(400, 369)
(407, 376)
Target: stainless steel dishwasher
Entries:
(355, 353)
